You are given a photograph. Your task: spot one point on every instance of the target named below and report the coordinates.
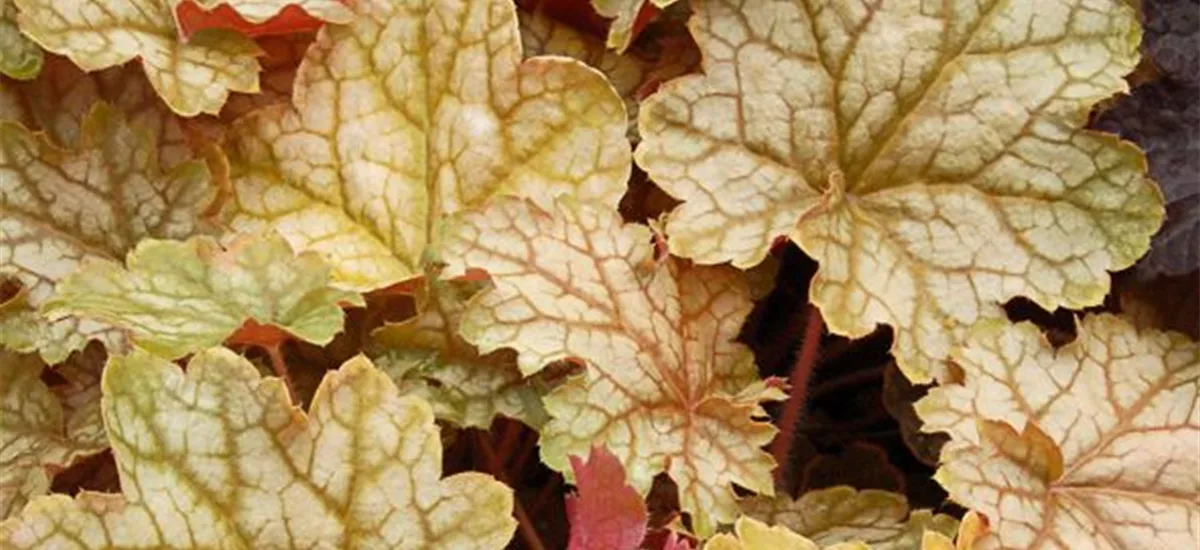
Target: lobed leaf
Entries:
(1164, 120)
(20, 57)
(606, 513)
(666, 389)
(842, 514)
(751, 534)
(42, 430)
(425, 356)
(631, 73)
(192, 77)
(417, 110)
(932, 160)
(217, 457)
(628, 18)
(178, 298)
(1093, 445)
(62, 207)
(258, 17)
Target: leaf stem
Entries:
(496, 467)
(281, 370)
(802, 370)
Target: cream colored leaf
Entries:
(751, 534)
(843, 514)
(38, 435)
(258, 11)
(630, 73)
(59, 207)
(20, 58)
(426, 356)
(1094, 445)
(416, 110)
(624, 14)
(217, 457)
(178, 297)
(932, 159)
(665, 389)
(192, 77)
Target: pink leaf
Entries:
(606, 513)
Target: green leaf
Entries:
(177, 297)
(218, 458)
(20, 58)
(63, 207)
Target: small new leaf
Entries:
(219, 458)
(1094, 445)
(932, 161)
(416, 110)
(178, 297)
(606, 513)
(665, 389)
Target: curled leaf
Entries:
(665, 389)
(178, 297)
(932, 161)
(258, 17)
(217, 457)
(1094, 445)
(20, 57)
(416, 110)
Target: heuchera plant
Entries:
(799, 274)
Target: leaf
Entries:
(20, 58)
(38, 435)
(836, 515)
(178, 298)
(931, 161)
(629, 17)
(666, 388)
(425, 356)
(631, 73)
(258, 17)
(60, 99)
(193, 76)
(217, 457)
(417, 110)
(1172, 40)
(606, 514)
(752, 534)
(62, 207)
(1164, 120)
(1093, 445)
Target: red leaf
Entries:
(606, 514)
(191, 19)
(676, 542)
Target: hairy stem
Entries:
(802, 370)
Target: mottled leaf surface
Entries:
(665, 387)
(218, 458)
(1094, 445)
(416, 110)
(931, 160)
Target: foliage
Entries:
(533, 273)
